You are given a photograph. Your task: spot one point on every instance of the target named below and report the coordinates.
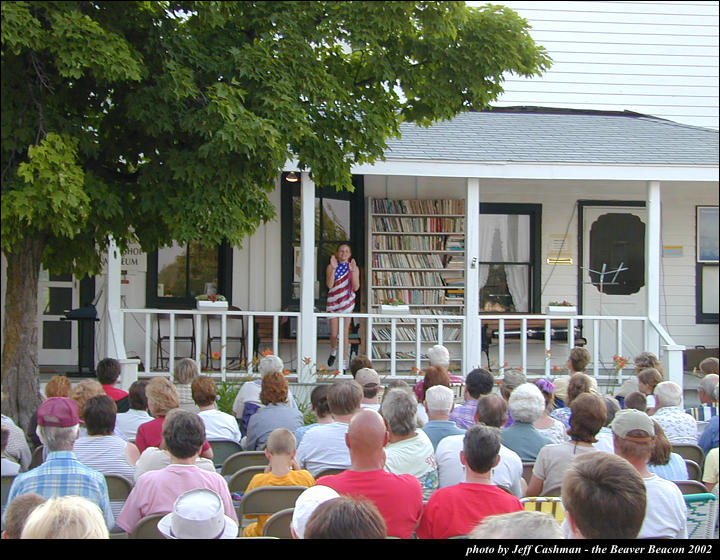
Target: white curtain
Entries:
(506, 238)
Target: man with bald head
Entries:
(398, 497)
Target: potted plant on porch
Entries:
(394, 306)
(211, 301)
(561, 308)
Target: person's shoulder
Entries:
(450, 442)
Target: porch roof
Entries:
(547, 136)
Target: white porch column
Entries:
(653, 247)
(472, 347)
(307, 325)
(114, 335)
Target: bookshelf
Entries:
(416, 255)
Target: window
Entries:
(339, 216)
(707, 279)
(178, 273)
(508, 258)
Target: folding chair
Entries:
(694, 470)
(278, 524)
(329, 471)
(702, 511)
(243, 459)
(267, 500)
(239, 481)
(222, 449)
(546, 504)
(119, 489)
(688, 451)
(146, 528)
(691, 486)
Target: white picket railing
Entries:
(520, 352)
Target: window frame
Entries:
(700, 266)
(534, 211)
(224, 275)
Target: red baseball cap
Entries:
(58, 412)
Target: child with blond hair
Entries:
(282, 470)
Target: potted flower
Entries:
(211, 301)
(561, 308)
(394, 306)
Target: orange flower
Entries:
(286, 372)
(555, 368)
(306, 360)
(267, 352)
(520, 368)
(336, 372)
(216, 355)
(505, 364)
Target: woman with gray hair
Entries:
(526, 405)
(409, 450)
(247, 402)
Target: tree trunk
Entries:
(20, 372)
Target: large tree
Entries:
(162, 121)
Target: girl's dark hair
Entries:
(319, 402)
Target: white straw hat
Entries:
(198, 514)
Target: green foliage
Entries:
(180, 114)
(226, 393)
(307, 412)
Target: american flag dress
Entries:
(341, 298)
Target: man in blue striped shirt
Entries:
(62, 474)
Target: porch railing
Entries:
(514, 347)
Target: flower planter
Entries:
(205, 304)
(395, 309)
(561, 310)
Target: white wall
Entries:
(655, 58)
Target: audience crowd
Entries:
(450, 457)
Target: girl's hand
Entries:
(352, 265)
(333, 262)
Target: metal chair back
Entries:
(688, 451)
(691, 486)
(243, 459)
(267, 500)
(146, 528)
(694, 470)
(222, 450)
(239, 481)
(278, 524)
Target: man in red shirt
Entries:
(397, 497)
(107, 372)
(457, 510)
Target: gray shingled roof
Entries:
(554, 137)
